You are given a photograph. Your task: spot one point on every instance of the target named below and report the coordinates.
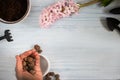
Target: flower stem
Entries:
(88, 3)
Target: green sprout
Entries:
(106, 2)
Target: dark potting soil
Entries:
(12, 10)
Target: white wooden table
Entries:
(78, 47)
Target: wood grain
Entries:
(78, 47)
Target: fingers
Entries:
(35, 55)
(18, 64)
(37, 62)
(27, 53)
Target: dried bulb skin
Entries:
(57, 75)
(32, 72)
(30, 59)
(28, 64)
(57, 79)
(25, 68)
(25, 59)
(37, 48)
(24, 63)
(51, 75)
(47, 78)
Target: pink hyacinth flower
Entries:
(56, 11)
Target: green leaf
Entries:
(106, 2)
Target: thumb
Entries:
(18, 64)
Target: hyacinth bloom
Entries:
(56, 11)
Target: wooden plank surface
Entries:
(78, 47)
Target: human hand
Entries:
(25, 75)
